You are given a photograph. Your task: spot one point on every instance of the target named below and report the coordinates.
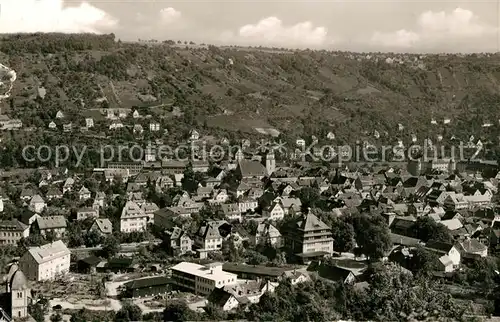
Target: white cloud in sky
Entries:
(272, 32)
(169, 15)
(52, 16)
(439, 29)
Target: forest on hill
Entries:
(236, 90)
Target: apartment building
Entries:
(46, 262)
(51, 224)
(210, 235)
(309, 237)
(201, 279)
(11, 231)
(133, 218)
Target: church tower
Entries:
(270, 162)
(16, 288)
(452, 166)
(238, 156)
(19, 293)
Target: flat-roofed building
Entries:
(201, 279)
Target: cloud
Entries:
(52, 16)
(272, 32)
(169, 15)
(441, 30)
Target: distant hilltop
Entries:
(297, 93)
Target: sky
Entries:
(397, 25)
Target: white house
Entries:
(59, 115)
(268, 234)
(449, 254)
(84, 193)
(300, 142)
(67, 127)
(89, 122)
(223, 299)
(154, 127)
(46, 262)
(274, 211)
(52, 125)
(116, 125)
(37, 204)
(220, 196)
(133, 218)
(138, 129)
(135, 114)
(194, 135)
(68, 185)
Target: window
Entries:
(19, 295)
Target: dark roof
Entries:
(404, 240)
(219, 296)
(91, 260)
(410, 182)
(253, 269)
(120, 262)
(250, 168)
(147, 282)
(333, 273)
(437, 245)
(26, 216)
(402, 223)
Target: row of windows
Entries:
(9, 241)
(205, 289)
(10, 234)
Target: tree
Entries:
(425, 229)
(36, 312)
(111, 246)
(483, 271)
(129, 312)
(56, 318)
(190, 180)
(178, 311)
(395, 295)
(255, 258)
(81, 316)
(343, 235)
(309, 197)
(423, 261)
(92, 238)
(372, 235)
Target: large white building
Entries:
(201, 279)
(133, 218)
(46, 262)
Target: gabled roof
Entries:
(147, 282)
(53, 191)
(334, 273)
(12, 225)
(104, 225)
(36, 199)
(49, 252)
(311, 222)
(473, 246)
(439, 246)
(249, 168)
(219, 296)
(84, 190)
(211, 229)
(51, 222)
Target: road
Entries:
(123, 247)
